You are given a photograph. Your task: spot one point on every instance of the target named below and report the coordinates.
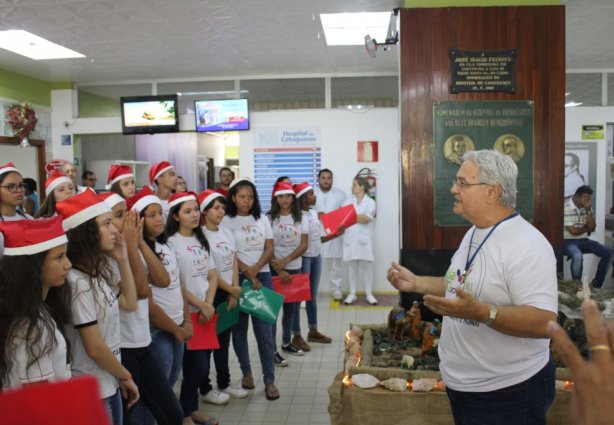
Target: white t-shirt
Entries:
(287, 237)
(194, 264)
(327, 202)
(223, 249)
(515, 266)
(357, 243)
(10, 218)
(135, 324)
(53, 366)
(166, 209)
(316, 231)
(170, 298)
(95, 304)
(250, 235)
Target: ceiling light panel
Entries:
(32, 46)
(349, 29)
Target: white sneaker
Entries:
(371, 299)
(351, 299)
(337, 295)
(216, 397)
(235, 392)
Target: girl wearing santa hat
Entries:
(33, 298)
(198, 275)
(290, 237)
(136, 355)
(312, 265)
(58, 187)
(254, 238)
(223, 250)
(12, 195)
(164, 176)
(101, 282)
(120, 180)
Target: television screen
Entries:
(149, 114)
(221, 115)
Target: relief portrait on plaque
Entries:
(455, 147)
(510, 145)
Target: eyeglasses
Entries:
(14, 187)
(463, 184)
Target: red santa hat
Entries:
(236, 181)
(29, 237)
(179, 197)
(158, 169)
(301, 188)
(7, 168)
(282, 188)
(56, 179)
(81, 208)
(117, 173)
(142, 200)
(111, 199)
(206, 197)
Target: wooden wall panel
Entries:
(427, 35)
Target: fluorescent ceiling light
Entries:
(349, 29)
(572, 104)
(35, 47)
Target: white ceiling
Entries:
(207, 39)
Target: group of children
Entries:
(139, 267)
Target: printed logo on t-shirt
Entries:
(314, 227)
(226, 253)
(199, 258)
(456, 279)
(252, 235)
(288, 234)
(170, 264)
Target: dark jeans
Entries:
(264, 338)
(313, 267)
(574, 248)
(195, 369)
(286, 319)
(155, 390)
(525, 403)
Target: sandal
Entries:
(201, 419)
(271, 392)
(248, 382)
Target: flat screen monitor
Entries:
(221, 115)
(150, 114)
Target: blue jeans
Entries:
(287, 318)
(574, 248)
(155, 390)
(264, 338)
(169, 353)
(195, 369)
(114, 407)
(313, 267)
(525, 403)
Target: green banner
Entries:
(458, 127)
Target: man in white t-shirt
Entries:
(329, 198)
(497, 298)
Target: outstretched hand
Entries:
(401, 278)
(464, 306)
(593, 390)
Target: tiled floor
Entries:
(303, 385)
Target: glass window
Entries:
(289, 93)
(198, 90)
(583, 88)
(378, 92)
(103, 101)
(611, 89)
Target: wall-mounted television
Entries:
(150, 114)
(221, 115)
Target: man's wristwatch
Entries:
(492, 315)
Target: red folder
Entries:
(298, 290)
(344, 216)
(205, 335)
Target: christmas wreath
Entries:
(22, 119)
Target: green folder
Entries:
(263, 303)
(226, 319)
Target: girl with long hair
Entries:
(32, 273)
(100, 282)
(254, 238)
(290, 237)
(12, 195)
(357, 245)
(58, 188)
(156, 393)
(223, 250)
(164, 176)
(120, 180)
(198, 275)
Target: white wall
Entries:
(574, 119)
